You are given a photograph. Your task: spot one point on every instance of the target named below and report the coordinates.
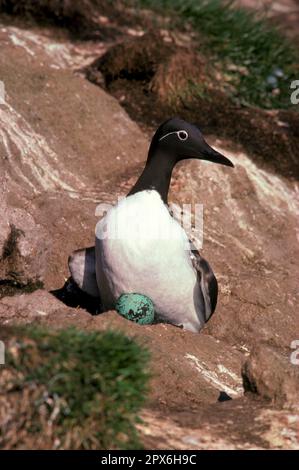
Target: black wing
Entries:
(208, 281)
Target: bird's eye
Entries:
(182, 135)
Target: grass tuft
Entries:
(257, 57)
(88, 385)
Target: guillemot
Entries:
(140, 247)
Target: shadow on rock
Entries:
(72, 296)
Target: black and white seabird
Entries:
(141, 248)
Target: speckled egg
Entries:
(136, 307)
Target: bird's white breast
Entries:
(141, 248)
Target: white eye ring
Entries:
(182, 135)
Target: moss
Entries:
(11, 287)
(11, 243)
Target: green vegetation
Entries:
(257, 59)
(91, 385)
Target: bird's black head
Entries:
(175, 140)
(180, 140)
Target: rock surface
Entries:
(66, 146)
(183, 368)
(196, 397)
(23, 256)
(63, 143)
(273, 376)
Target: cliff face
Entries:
(67, 145)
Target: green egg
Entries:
(136, 307)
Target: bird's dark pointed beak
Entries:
(208, 153)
